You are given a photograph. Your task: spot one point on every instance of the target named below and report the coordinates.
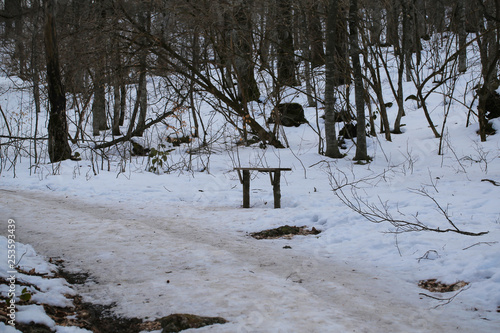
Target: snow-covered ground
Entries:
(179, 242)
(135, 232)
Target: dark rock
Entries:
(343, 116)
(138, 149)
(180, 321)
(289, 114)
(349, 131)
(493, 105)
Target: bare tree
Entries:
(58, 145)
(489, 50)
(243, 57)
(462, 36)
(286, 51)
(332, 146)
(361, 149)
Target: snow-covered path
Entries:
(154, 263)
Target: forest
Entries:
(124, 125)
(108, 71)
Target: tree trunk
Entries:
(117, 80)
(265, 35)
(399, 94)
(361, 149)
(244, 67)
(99, 106)
(490, 54)
(392, 10)
(462, 37)
(143, 101)
(332, 146)
(286, 51)
(123, 103)
(145, 22)
(58, 146)
(99, 122)
(116, 108)
(195, 51)
(315, 35)
(407, 43)
(342, 67)
(375, 12)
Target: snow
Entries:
(8, 329)
(33, 314)
(178, 242)
(70, 329)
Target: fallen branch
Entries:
(491, 181)
(447, 300)
(128, 136)
(380, 212)
(487, 243)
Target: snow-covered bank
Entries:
(34, 277)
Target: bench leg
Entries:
(276, 189)
(246, 189)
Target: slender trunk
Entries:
(407, 45)
(490, 54)
(58, 146)
(332, 146)
(342, 67)
(195, 55)
(116, 109)
(243, 62)
(392, 10)
(315, 36)
(123, 102)
(307, 50)
(399, 94)
(462, 37)
(117, 81)
(361, 148)
(143, 102)
(99, 107)
(377, 87)
(36, 78)
(145, 21)
(286, 51)
(375, 25)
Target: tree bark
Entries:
(58, 146)
(392, 10)
(286, 51)
(361, 149)
(462, 37)
(244, 66)
(315, 35)
(145, 21)
(332, 146)
(490, 54)
(99, 106)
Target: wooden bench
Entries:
(274, 174)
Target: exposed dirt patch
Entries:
(99, 318)
(285, 231)
(179, 322)
(440, 287)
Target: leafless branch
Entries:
(446, 300)
(381, 211)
